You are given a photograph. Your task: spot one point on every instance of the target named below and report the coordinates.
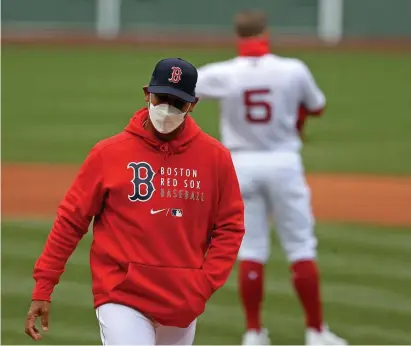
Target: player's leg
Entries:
(176, 336)
(294, 225)
(290, 197)
(121, 325)
(253, 255)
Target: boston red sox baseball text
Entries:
(180, 183)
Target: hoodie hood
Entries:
(177, 145)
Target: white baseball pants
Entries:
(121, 325)
(273, 185)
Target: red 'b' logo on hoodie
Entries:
(175, 75)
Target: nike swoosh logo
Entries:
(152, 212)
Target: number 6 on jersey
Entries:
(255, 105)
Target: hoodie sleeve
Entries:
(229, 227)
(83, 200)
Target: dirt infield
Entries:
(34, 191)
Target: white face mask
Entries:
(164, 117)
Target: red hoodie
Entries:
(168, 222)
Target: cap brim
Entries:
(158, 89)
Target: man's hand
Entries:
(38, 308)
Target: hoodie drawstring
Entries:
(165, 148)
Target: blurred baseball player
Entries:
(168, 221)
(262, 97)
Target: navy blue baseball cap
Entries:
(174, 76)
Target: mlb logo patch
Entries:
(177, 212)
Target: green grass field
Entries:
(366, 278)
(58, 102)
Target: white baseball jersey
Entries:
(260, 99)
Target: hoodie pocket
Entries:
(170, 296)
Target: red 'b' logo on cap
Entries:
(175, 75)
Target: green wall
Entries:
(66, 12)
(216, 13)
(377, 18)
(369, 18)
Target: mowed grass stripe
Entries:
(336, 256)
(284, 323)
(385, 298)
(341, 293)
(365, 235)
(61, 331)
(365, 308)
(25, 252)
(375, 236)
(62, 293)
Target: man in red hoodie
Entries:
(168, 221)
